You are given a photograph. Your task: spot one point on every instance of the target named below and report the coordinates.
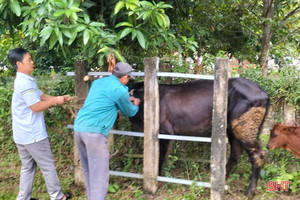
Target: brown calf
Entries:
(285, 136)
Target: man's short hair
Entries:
(16, 55)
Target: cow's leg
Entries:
(256, 156)
(236, 151)
(246, 129)
(163, 148)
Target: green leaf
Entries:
(124, 24)
(184, 38)
(53, 40)
(97, 24)
(136, 2)
(86, 36)
(118, 55)
(163, 5)
(125, 32)
(45, 34)
(118, 7)
(66, 32)
(60, 3)
(133, 34)
(86, 18)
(68, 13)
(104, 49)
(15, 7)
(56, 30)
(73, 37)
(131, 6)
(164, 20)
(147, 4)
(74, 17)
(159, 20)
(80, 28)
(75, 9)
(111, 189)
(191, 47)
(60, 38)
(59, 13)
(95, 30)
(141, 39)
(147, 14)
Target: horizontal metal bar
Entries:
(163, 179)
(70, 126)
(160, 178)
(128, 133)
(70, 74)
(183, 181)
(126, 174)
(163, 74)
(99, 73)
(160, 136)
(184, 138)
(183, 75)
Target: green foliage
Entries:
(113, 188)
(6, 42)
(195, 193)
(63, 24)
(146, 22)
(5, 111)
(282, 85)
(170, 165)
(134, 29)
(6, 142)
(56, 84)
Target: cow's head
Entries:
(137, 90)
(280, 135)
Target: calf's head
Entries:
(280, 136)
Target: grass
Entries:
(182, 164)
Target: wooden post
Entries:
(81, 91)
(151, 125)
(218, 140)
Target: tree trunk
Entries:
(268, 15)
(81, 91)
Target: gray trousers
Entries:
(40, 154)
(94, 156)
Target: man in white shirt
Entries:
(29, 130)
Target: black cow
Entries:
(186, 109)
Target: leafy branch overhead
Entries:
(87, 29)
(144, 21)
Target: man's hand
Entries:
(68, 98)
(135, 101)
(59, 100)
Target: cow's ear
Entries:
(289, 128)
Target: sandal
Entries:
(67, 196)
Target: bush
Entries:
(282, 85)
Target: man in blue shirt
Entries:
(29, 130)
(93, 123)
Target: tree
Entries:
(287, 13)
(133, 29)
(73, 28)
(244, 29)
